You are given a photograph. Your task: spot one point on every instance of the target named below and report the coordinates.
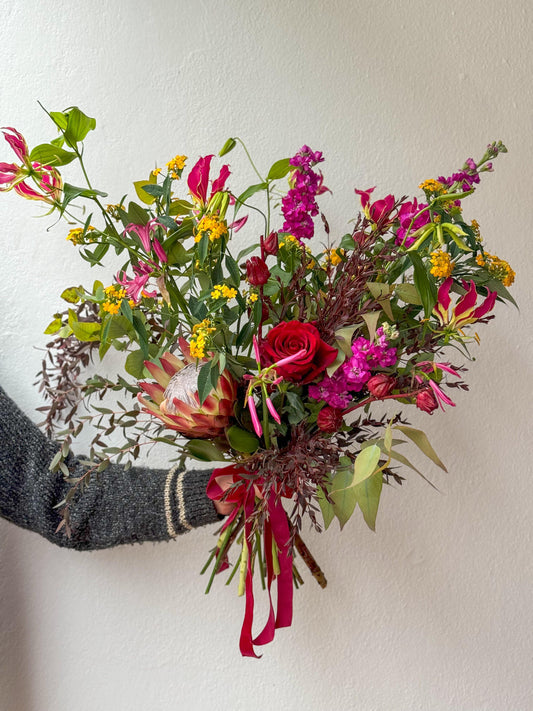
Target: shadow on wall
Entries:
(15, 653)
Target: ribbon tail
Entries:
(281, 532)
(267, 634)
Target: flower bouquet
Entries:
(265, 355)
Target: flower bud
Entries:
(426, 401)
(329, 419)
(257, 271)
(270, 244)
(381, 384)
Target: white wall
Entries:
(434, 611)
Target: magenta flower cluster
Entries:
(465, 178)
(351, 377)
(299, 206)
(406, 214)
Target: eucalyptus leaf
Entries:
(368, 494)
(328, 513)
(343, 495)
(422, 442)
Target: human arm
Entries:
(136, 505)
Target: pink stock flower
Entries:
(148, 240)
(13, 176)
(198, 180)
(464, 312)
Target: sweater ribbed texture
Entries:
(118, 506)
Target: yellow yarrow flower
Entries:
(432, 186)
(211, 225)
(334, 256)
(77, 237)
(114, 296)
(175, 166)
(497, 268)
(442, 264)
(221, 291)
(201, 335)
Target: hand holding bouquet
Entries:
(265, 356)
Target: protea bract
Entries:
(174, 398)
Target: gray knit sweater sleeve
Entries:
(137, 505)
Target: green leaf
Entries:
(71, 192)
(343, 495)
(137, 214)
(343, 338)
(233, 269)
(367, 494)
(135, 364)
(371, 319)
(403, 460)
(424, 285)
(328, 513)
(382, 292)
(422, 442)
(246, 251)
(227, 147)
(83, 330)
(60, 119)
(248, 194)
(244, 336)
(48, 154)
(138, 325)
(72, 294)
(365, 464)
(204, 450)
(279, 169)
(180, 207)
(242, 440)
(78, 125)
(408, 293)
(53, 326)
(204, 382)
(142, 194)
(177, 254)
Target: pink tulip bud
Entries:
(257, 271)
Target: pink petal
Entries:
(253, 412)
(17, 142)
(236, 226)
(444, 294)
(219, 183)
(199, 178)
(486, 306)
(466, 303)
(273, 411)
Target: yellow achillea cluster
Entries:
(114, 295)
(290, 241)
(175, 166)
(334, 256)
(214, 226)
(477, 233)
(497, 268)
(221, 291)
(442, 264)
(432, 186)
(113, 211)
(77, 237)
(251, 298)
(201, 333)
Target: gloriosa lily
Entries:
(198, 180)
(13, 176)
(174, 397)
(464, 312)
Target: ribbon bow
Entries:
(242, 493)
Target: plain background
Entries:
(435, 610)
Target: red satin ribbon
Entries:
(276, 529)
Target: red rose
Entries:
(380, 385)
(426, 401)
(286, 339)
(329, 419)
(257, 271)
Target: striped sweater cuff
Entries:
(186, 503)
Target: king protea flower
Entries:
(174, 398)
